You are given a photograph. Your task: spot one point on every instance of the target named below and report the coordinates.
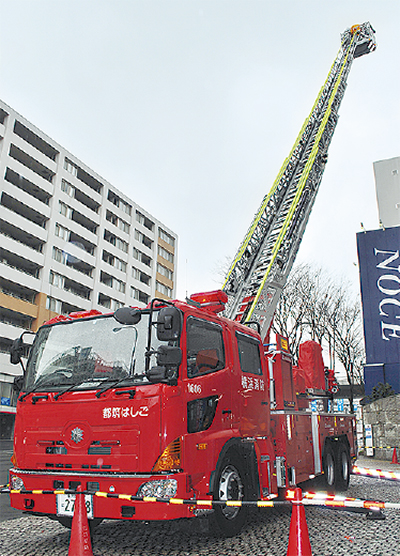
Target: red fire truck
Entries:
(175, 401)
(171, 401)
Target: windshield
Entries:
(88, 352)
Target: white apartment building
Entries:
(69, 241)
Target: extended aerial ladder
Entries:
(263, 262)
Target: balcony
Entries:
(23, 210)
(37, 142)
(17, 262)
(27, 186)
(31, 163)
(19, 234)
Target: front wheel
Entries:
(230, 484)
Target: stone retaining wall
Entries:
(384, 416)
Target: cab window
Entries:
(205, 347)
(249, 354)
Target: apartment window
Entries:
(124, 226)
(109, 302)
(142, 257)
(62, 232)
(106, 279)
(3, 116)
(108, 258)
(111, 218)
(120, 265)
(142, 238)
(72, 261)
(139, 295)
(119, 285)
(65, 210)
(164, 271)
(54, 305)
(112, 282)
(165, 254)
(56, 279)
(163, 289)
(59, 255)
(114, 261)
(166, 237)
(125, 207)
(114, 240)
(118, 202)
(76, 289)
(70, 167)
(141, 276)
(146, 222)
(68, 188)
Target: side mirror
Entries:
(16, 351)
(169, 324)
(168, 360)
(127, 315)
(163, 375)
(18, 384)
(169, 356)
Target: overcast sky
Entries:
(190, 107)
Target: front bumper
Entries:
(108, 503)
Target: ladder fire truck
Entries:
(178, 402)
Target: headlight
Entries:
(16, 483)
(159, 489)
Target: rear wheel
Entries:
(329, 467)
(230, 484)
(342, 466)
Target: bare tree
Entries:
(313, 305)
(346, 332)
(290, 316)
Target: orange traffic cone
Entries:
(299, 542)
(80, 543)
(394, 457)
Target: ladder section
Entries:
(266, 255)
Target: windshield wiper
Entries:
(43, 381)
(112, 384)
(69, 388)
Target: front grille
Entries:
(100, 450)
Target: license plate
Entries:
(66, 505)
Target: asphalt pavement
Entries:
(331, 532)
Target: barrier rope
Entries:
(309, 498)
(376, 473)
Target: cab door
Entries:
(208, 395)
(253, 396)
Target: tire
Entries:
(342, 466)
(330, 468)
(230, 484)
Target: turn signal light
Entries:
(170, 459)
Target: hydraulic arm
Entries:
(265, 257)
